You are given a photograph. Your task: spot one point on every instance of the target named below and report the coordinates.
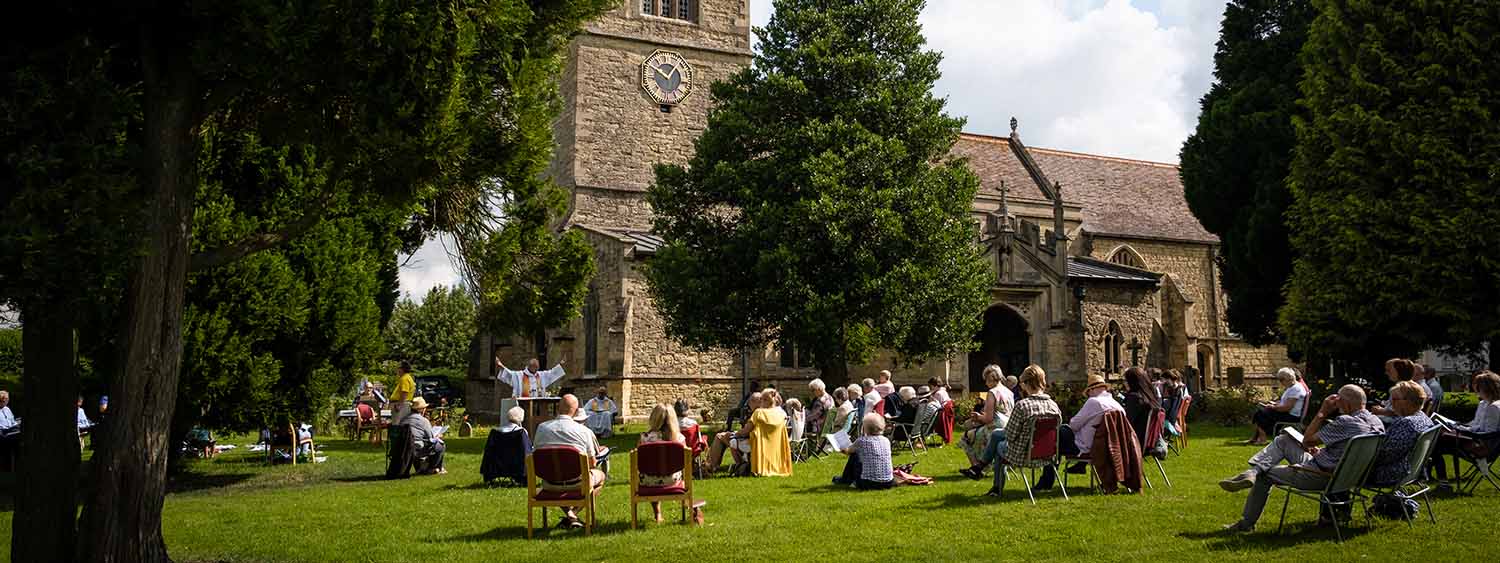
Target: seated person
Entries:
(883, 385)
(426, 441)
(939, 391)
(601, 412)
(661, 427)
(369, 395)
(1340, 417)
(902, 408)
(9, 424)
(1398, 370)
(1434, 386)
(857, 403)
(1485, 424)
(201, 442)
(1075, 438)
(818, 406)
(1391, 466)
(1140, 402)
(680, 408)
(506, 448)
(730, 441)
(869, 465)
(842, 408)
(1287, 409)
(1012, 444)
(870, 395)
(1174, 391)
(514, 418)
(567, 432)
(991, 415)
(795, 419)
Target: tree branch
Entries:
(215, 257)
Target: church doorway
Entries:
(1205, 363)
(1004, 341)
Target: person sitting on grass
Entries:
(1340, 418)
(869, 465)
(567, 432)
(1486, 422)
(1012, 443)
(1287, 409)
(661, 427)
(427, 443)
(992, 415)
(1076, 438)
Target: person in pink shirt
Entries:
(885, 387)
(1077, 436)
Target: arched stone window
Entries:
(1127, 256)
(1113, 340)
(686, 10)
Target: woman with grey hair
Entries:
(869, 466)
(817, 406)
(1286, 410)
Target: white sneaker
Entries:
(1239, 526)
(1244, 480)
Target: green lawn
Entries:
(231, 509)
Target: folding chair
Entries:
(1044, 453)
(400, 453)
(559, 464)
(1482, 467)
(1180, 441)
(1346, 479)
(661, 459)
(918, 431)
(1154, 429)
(1415, 476)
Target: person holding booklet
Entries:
(426, 439)
(869, 466)
(1286, 410)
(1484, 427)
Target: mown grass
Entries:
(236, 509)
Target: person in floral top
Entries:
(1391, 464)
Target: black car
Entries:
(434, 388)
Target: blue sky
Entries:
(1114, 77)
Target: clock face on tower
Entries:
(666, 77)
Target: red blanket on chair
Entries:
(1115, 455)
(945, 422)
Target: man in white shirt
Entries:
(565, 431)
(528, 382)
(1081, 427)
(871, 396)
(8, 423)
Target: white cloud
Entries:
(428, 267)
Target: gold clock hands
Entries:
(662, 74)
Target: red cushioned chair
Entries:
(559, 464)
(661, 459)
(1044, 453)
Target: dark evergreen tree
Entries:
(821, 206)
(1235, 165)
(1396, 213)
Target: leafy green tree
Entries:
(112, 116)
(821, 206)
(1396, 213)
(435, 333)
(1235, 164)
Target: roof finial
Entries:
(1013, 124)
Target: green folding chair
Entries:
(1415, 476)
(1343, 484)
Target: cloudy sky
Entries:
(1113, 77)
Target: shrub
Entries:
(1459, 405)
(1068, 396)
(1230, 406)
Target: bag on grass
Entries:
(1395, 508)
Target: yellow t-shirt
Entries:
(770, 452)
(406, 388)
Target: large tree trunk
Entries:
(47, 487)
(122, 519)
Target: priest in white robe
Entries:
(529, 382)
(601, 413)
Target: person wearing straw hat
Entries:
(1077, 436)
(427, 441)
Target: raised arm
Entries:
(552, 375)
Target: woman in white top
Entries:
(1287, 409)
(1485, 424)
(994, 414)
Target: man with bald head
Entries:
(567, 432)
(1341, 417)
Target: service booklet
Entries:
(840, 440)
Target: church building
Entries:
(1098, 262)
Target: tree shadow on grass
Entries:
(1266, 538)
(189, 482)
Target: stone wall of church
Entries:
(722, 25)
(1133, 308)
(1189, 262)
(611, 209)
(1257, 361)
(619, 133)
